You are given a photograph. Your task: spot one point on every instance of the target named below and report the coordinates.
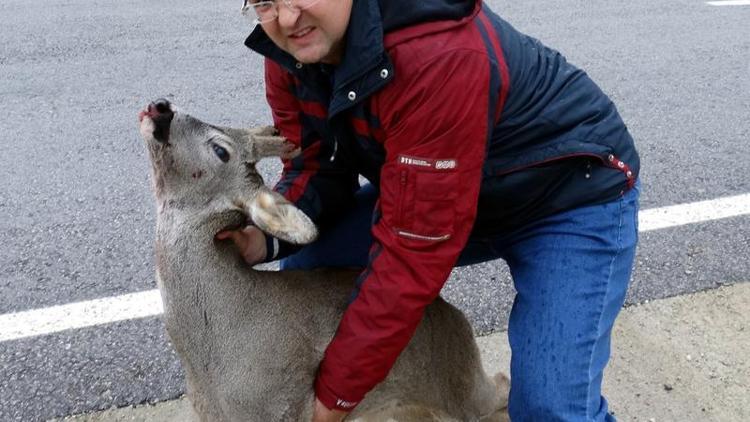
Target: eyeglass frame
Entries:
(288, 3)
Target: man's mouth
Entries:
(301, 33)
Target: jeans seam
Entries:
(621, 212)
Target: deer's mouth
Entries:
(155, 120)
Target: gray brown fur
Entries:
(251, 341)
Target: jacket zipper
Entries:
(551, 160)
(611, 161)
(335, 148)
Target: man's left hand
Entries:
(324, 414)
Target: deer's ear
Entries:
(276, 216)
(265, 141)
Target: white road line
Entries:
(729, 3)
(696, 212)
(37, 322)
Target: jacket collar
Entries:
(365, 67)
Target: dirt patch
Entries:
(683, 359)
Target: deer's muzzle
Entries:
(160, 112)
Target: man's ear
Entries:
(276, 216)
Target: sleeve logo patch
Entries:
(345, 404)
(445, 164)
(441, 164)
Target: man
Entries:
(479, 143)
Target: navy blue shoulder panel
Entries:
(553, 108)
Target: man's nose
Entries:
(287, 15)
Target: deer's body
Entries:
(251, 341)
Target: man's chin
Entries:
(308, 57)
(313, 54)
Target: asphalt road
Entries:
(76, 212)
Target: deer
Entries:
(250, 340)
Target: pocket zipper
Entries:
(400, 200)
(422, 237)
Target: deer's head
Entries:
(198, 166)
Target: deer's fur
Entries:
(251, 341)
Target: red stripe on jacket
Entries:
(300, 183)
(501, 64)
(286, 110)
(314, 109)
(363, 128)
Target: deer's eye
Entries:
(220, 152)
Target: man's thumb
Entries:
(224, 235)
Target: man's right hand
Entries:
(250, 241)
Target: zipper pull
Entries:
(335, 149)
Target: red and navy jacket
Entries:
(466, 126)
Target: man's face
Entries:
(312, 35)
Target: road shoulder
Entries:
(682, 358)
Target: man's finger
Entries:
(224, 235)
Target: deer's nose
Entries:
(161, 114)
(161, 106)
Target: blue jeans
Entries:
(571, 272)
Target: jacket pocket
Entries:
(425, 206)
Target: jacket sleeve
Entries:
(436, 121)
(322, 188)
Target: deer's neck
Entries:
(209, 294)
(190, 262)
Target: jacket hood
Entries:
(399, 13)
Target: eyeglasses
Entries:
(265, 11)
